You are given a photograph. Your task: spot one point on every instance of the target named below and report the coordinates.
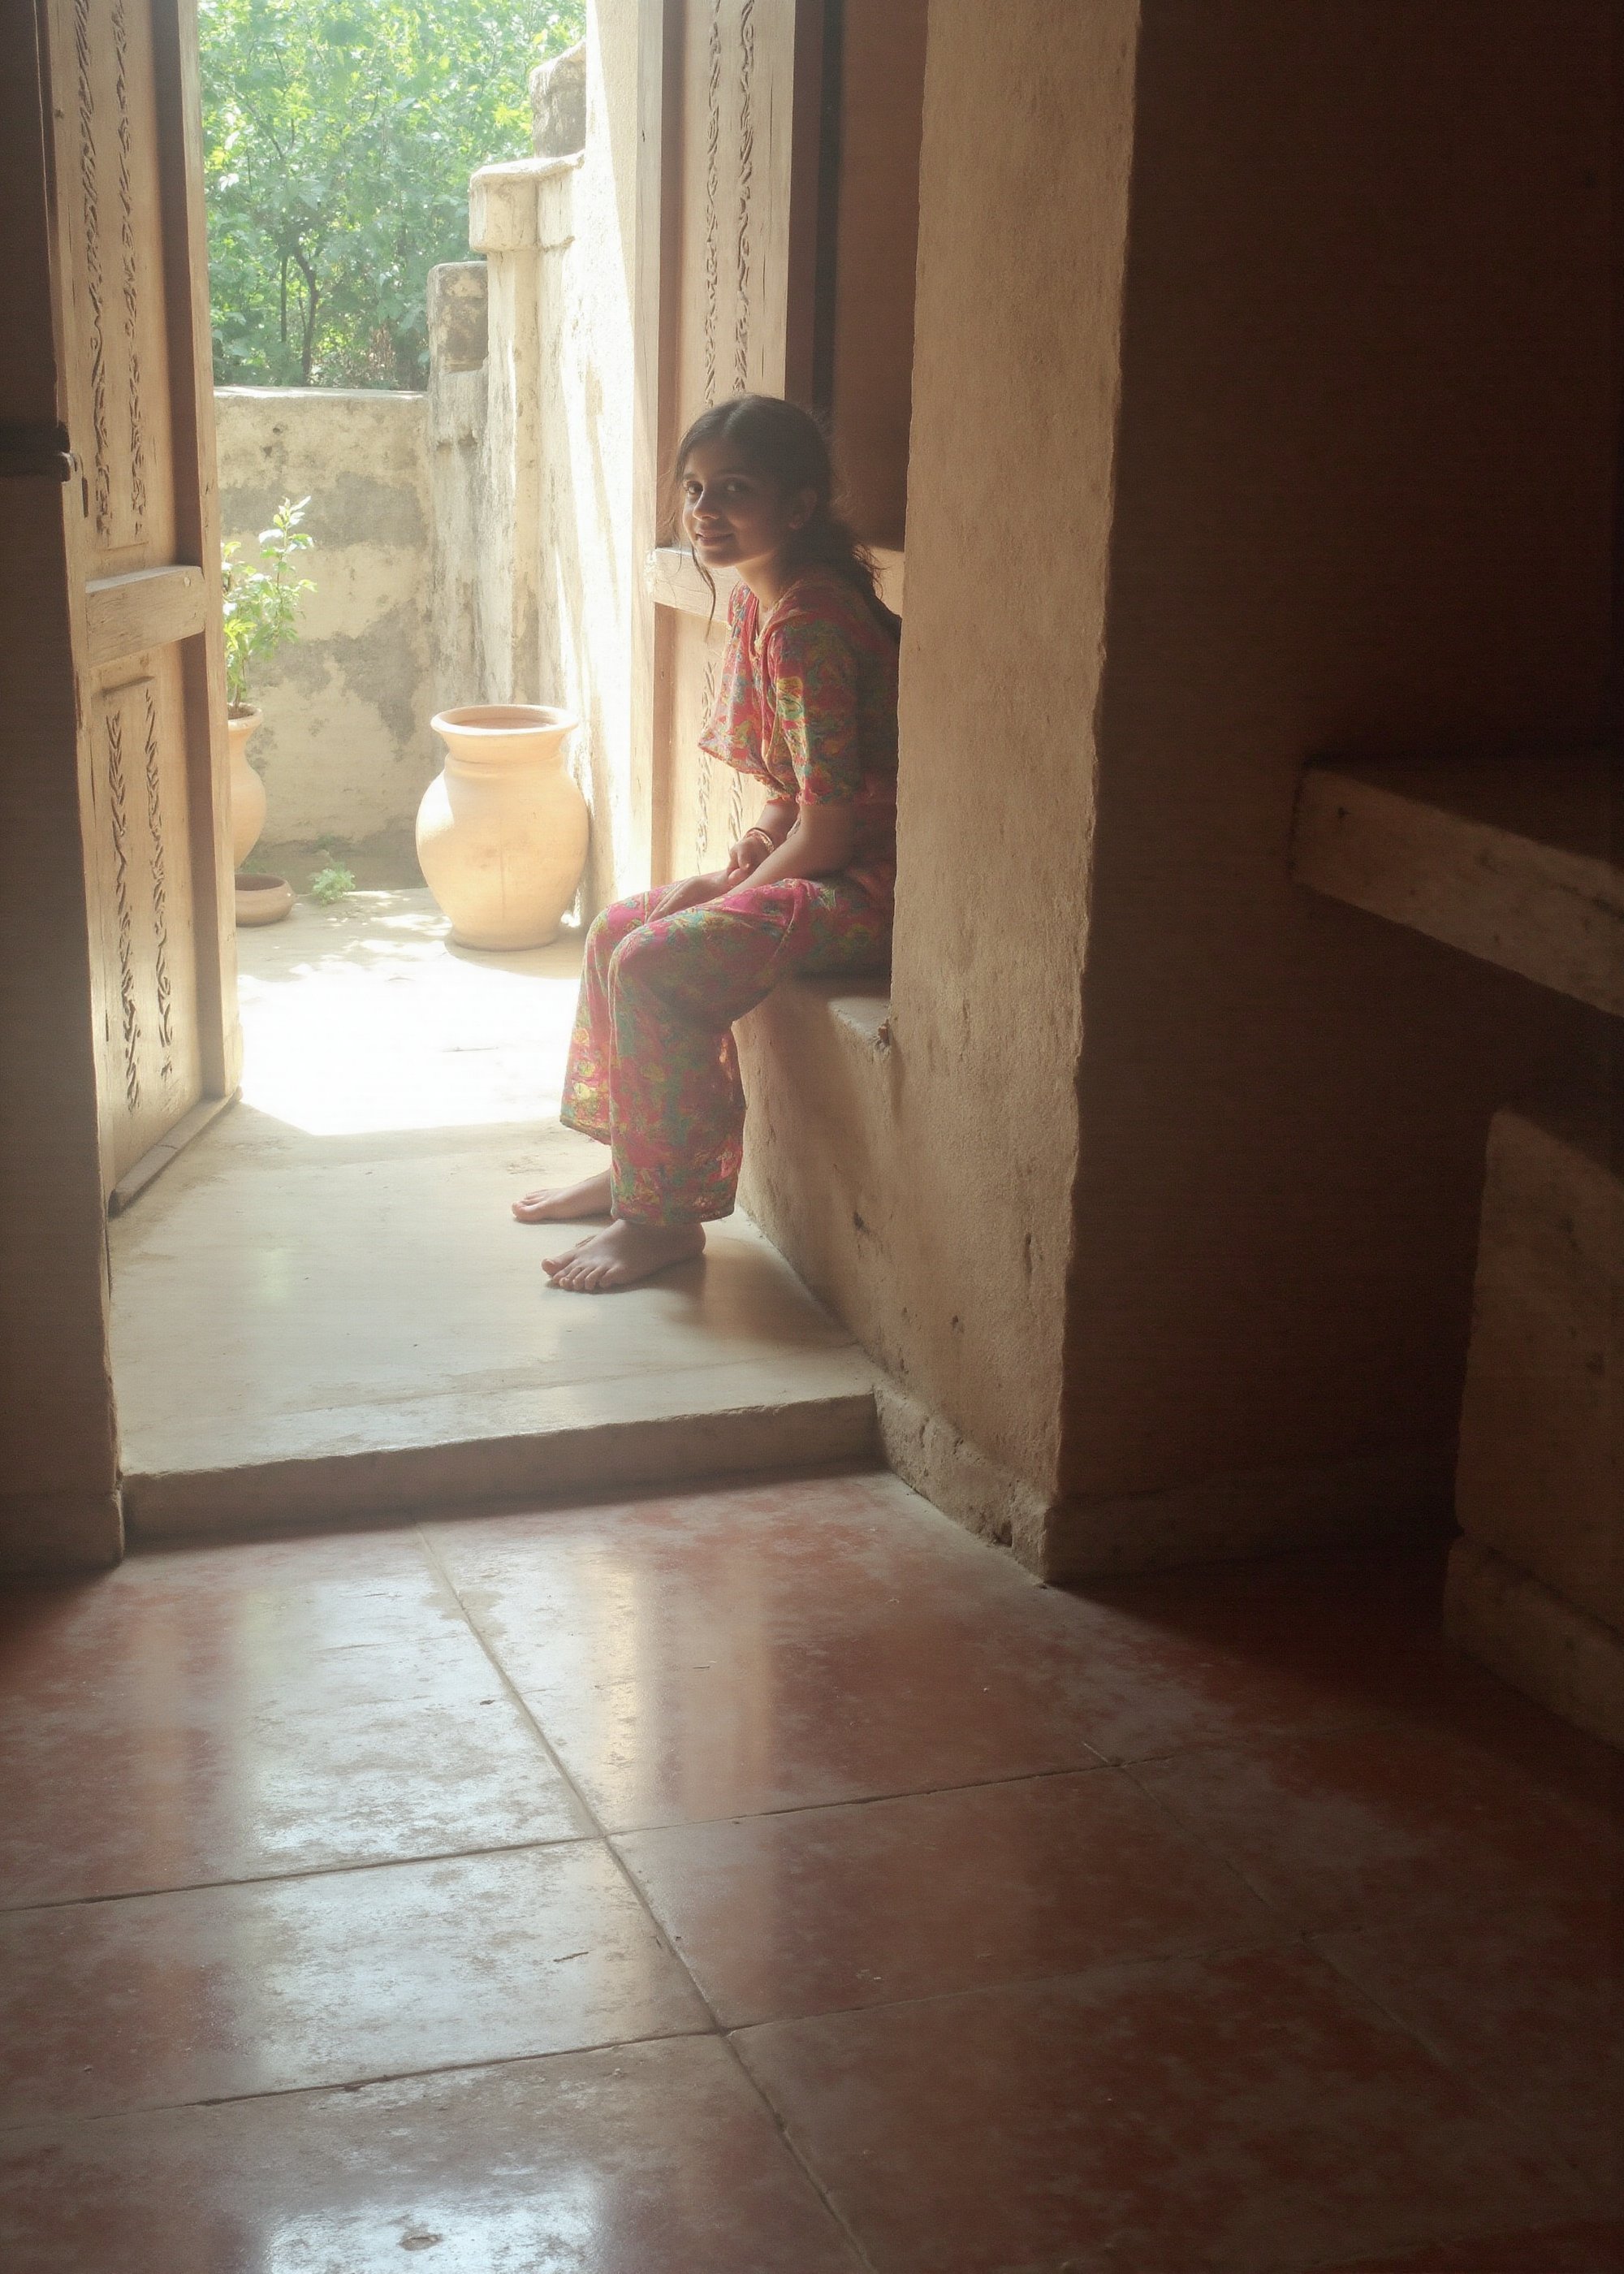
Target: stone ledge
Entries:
(508, 211)
(859, 1010)
(1536, 1639)
(1513, 858)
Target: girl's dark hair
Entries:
(784, 444)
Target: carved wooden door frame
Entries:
(134, 358)
(729, 215)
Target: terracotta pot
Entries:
(247, 789)
(501, 833)
(262, 899)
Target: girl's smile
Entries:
(730, 516)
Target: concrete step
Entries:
(819, 1412)
(317, 1328)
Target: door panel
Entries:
(137, 389)
(119, 382)
(143, 897)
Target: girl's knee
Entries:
(608, 929)
(640, 953)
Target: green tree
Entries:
(338, 138)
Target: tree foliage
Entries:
(338, 138)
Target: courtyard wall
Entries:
(345, 748)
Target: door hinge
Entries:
(40, 450)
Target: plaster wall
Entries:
(458, 329)
(345, 748)
(1363, 493)
(534, 485)
(1155, 1188)
(920, 1173)
(591, 582)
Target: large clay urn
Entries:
(247, 789)
(501, 833)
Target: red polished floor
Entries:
(776, 1878)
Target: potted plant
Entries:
(261, 615)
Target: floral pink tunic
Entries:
(807, 703)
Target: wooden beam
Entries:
(1515, 859)
(150, 608)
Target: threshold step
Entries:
(448, 1475)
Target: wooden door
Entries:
(131, 307)
(730, 225)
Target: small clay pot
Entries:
(262, 899)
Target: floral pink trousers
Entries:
(653, 1067)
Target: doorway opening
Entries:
(324, 1308)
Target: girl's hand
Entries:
(746, 856)
(691, 892)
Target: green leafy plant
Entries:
(331, 883)
(338, 138)
(262, 603)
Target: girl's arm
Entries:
(822, 840)
(765, 836)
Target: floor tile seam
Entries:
(286, 1878)
(1547, 2153)
(1239, 1742)
(1204, 1845)
(582, 1802)
(65, 2121)
(1607, 1824)
(1095, 1768)
(1552, 2165)
(791, 2147)
(1471, 1904)
(1237, 1946)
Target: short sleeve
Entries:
(814, 705)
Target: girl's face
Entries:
(734, 518)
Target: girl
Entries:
(806, 703)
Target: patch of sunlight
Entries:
(363, 1018)
(559, 2220)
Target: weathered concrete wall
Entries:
(588, 516)
(345, 748)
(1354, 515)
(922, 1181)
(1248, 465)
(458, 327)
(533, 482)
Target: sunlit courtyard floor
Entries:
(326, 1308)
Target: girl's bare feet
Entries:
(570, 1204)
(622, 1254)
